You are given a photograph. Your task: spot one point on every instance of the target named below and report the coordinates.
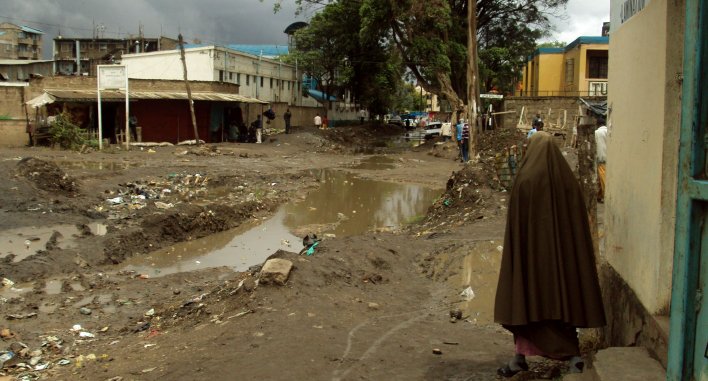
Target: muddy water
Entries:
(23, 242)
(346, 205)
(342, 205)
(479, 269)
(376, 163)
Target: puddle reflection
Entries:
(342, 205)
(23, 242)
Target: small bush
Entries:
(67, 134)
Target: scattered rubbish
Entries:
(451, 343)
(63, 362)
(330, 235)
(242, 313)
(141, 326)
(39, 367)
(437, 351)
(374, 306)
(467, 294)
(115, 200)
(85, 334)
(5, 333)
(149, 345)
(150, 312)
(76, 327)
(310, 241)
(5, 357)
(85, 311)
(7, 283)
(456, 314)
(500, 248)
(148, 370)
(21, 316)
(162, 205)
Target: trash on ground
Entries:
(467, 294)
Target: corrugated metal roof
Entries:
(23, 62)
(90, 95)
(30, 30)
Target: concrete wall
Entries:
(13, 122)
(265, 79)
(641, 167)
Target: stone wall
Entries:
(558, 113)
(13, 120)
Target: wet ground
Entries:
(153, 258)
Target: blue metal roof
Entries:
(30, 30)
(319, 96)
(585, 40)
(257, 50)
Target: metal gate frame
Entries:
(690, 267)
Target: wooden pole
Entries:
(472, 77)
(189, 91)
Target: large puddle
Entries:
(343, 205)
(23, 242)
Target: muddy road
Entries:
(144, 265)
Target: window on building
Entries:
(103, 46)
(261, 81)
(569, 70)
(66, 47)
(238, 78)
(231, 76)
(248, 79)
(597, 66)
(288, 85)
(221, 76)
(271, 83)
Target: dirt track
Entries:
(364, 307)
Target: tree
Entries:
(552, 44)
(432, 38)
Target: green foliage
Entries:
(67, 134)
(552, 44)
(374, 40)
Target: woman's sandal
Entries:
(507, 372)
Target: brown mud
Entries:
(365, 306)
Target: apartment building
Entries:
(20, 42)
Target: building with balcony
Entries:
(20, 42)
(79, 56)
(578, 69)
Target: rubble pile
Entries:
(47, 176)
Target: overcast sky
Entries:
(215, 21)
(582, 18)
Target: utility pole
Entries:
(472, 75)
(189, 91)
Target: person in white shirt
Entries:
(601, 157)
(362, 116)
(318, 121)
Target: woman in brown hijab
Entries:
(548, 282)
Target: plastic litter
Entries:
(85, 334)
(467, 294)
(7, 283)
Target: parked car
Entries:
(433, 129)
(395, 119)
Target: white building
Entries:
(267, 79)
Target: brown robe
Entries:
(548, 281)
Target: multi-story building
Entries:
(79, 56)
(579, 69)
(20, 42)
(264, 78)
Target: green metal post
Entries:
(689, 315)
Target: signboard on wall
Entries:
(111, 77)
(623, 10)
